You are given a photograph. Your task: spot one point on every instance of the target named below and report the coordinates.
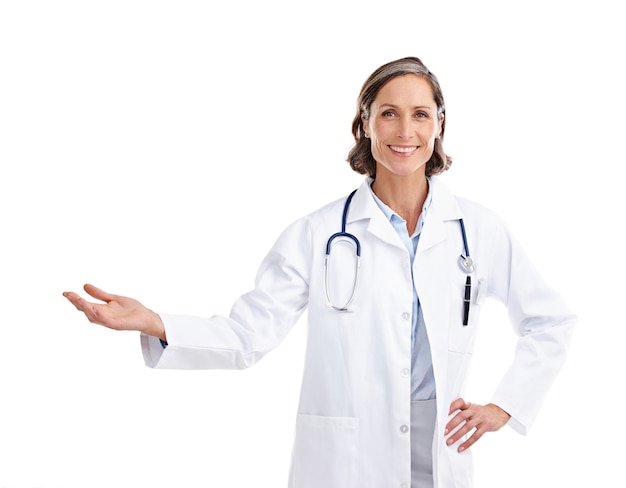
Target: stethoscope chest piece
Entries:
(467, 264)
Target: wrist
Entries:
(155, 326)
(505, 415)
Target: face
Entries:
(403, 126)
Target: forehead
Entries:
(407, 89)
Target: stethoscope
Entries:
(465, 261)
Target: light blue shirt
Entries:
(422, 377)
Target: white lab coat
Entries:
(355, 398)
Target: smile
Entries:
(403, 149)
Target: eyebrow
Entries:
(421, 107)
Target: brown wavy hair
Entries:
(360, 156)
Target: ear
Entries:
(440, 133)
(364, 124)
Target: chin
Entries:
(407, 172)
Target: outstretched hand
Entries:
(471, 417)
(117, 312)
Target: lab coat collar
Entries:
(444, 207)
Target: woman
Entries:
(390, 335)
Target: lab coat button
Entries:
(406, 372)
(404, 485)
(406, 315)
(404, 429)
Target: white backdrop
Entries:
(156, 149)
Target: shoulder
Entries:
(331, 212)
(321, 219)
(475, 209)
(476, 216)
(469, 208)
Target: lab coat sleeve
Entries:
(540, 319)
(258, 321)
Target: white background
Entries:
(156, 149)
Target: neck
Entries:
(405, 195)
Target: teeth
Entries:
(403, 149)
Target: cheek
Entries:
(378, 149)
(378, 137)
(430, 135)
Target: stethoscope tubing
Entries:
(465, 261)
(343, 233)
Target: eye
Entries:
(421, 115)
(388, 113)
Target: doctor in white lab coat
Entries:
(382, 400)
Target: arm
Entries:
(543, 324)
(258, 321)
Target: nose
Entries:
(405, 128)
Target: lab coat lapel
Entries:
(443, 208)
(363, 206)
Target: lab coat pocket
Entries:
(325, 452)
(461, 338)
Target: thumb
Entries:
(98, 293)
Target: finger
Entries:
(460, 425)
(471, 440)
(454, 423)
(74, 299)
(466, 423)
(457, 404)
(463, 413)
(95, 313)
(96, 292)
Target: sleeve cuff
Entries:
(152, 349)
